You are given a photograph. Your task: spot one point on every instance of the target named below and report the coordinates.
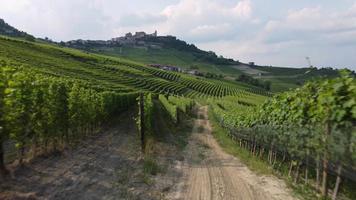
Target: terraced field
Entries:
(112, 73)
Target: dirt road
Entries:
(210, 173)
(109, 166)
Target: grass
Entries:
(150, 166)
(182, 132)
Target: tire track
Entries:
(211, 174)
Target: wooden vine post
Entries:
(142, 122)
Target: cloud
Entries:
(141, 19)
(14, 6)
(328, 37)
(247, 30)
(58, 20)
(201, 20)
(311, 25)
(242, 9)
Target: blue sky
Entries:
(269, 32)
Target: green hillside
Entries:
(111, 72)
(164, 50)
(168, 50)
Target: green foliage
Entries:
(315, 122)
(170, 108)
(39, 109)
(170, 105)
(109, 73)
(182, 103)
(148, 112)
(250, 80)
(5, 76)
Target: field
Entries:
(56, 101)
(111, 72)
(282, 78)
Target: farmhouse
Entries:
(166, 67)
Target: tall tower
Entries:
(155, 33)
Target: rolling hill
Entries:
(168, 50)
(165, 50)
(111, 72)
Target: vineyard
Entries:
(53, 97)
(311, 128)
(174, 107)
(78, 91)
(44, 114)
(110, 73)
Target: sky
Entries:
(267, 32)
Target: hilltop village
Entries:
(139, 39)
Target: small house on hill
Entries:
(166, 67)
(193, 72)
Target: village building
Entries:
(167, 67)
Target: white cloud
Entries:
(218, 28)
(58, 20)
(248, 30)
(328, 37)
(201, 20)
(141, 19)
(14, 6)
(243, 9)
(312, 22)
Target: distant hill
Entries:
(168, 50)
(153, 49)
(111, 73)
(8, 30)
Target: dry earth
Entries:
(210, 173)
(106, 166)
(110, 166)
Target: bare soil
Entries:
(110, 166)
(106, 166)
(210, 173)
